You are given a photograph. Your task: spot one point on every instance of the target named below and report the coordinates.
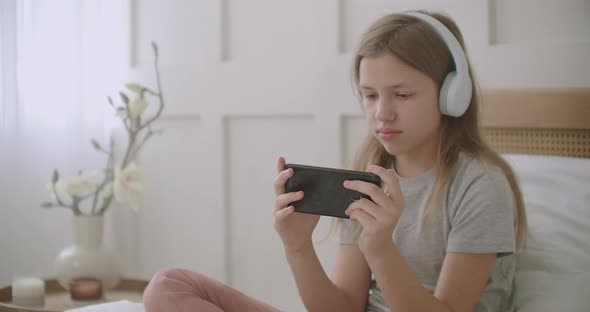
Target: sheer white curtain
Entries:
(59, 60)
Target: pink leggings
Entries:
(178, 290)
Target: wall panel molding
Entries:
(225, 21)
(352, 131)
(132, 33)
(343, 27)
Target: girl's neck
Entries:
(417, 162)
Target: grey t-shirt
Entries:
(476, 215)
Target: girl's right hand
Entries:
(294, 228)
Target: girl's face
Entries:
(400, 104)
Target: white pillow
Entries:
(552, 271)
(539, 291)
(556, 192)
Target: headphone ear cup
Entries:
(444, 99)
(455, 95)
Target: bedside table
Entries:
(57, 299)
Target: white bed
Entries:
(539, 132)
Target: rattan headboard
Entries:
(538, 121)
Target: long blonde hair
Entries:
(418, 44)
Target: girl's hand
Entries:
(378, 217)
(295, 229)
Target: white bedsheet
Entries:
(117, 306)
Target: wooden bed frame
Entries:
(538, 121)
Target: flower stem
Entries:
(133, 132)
(148, 134)
(109, 176)
(159, 93)
(105, 205)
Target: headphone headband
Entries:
(447, 36)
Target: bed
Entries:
(545, 135)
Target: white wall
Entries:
(247, 81)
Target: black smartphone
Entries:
(324, 192)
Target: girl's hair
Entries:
(418, 44)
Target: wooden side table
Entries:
(57, 299)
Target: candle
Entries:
(83, 289)
(28, 291)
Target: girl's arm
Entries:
(348, 289)
(462, 280)
(464, 274)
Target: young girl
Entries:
(439, 236)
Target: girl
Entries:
(439, 236)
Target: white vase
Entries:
(87, 257)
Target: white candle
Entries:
(28, 291)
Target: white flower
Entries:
(80, 185)
(127, 187)
(137, 106)
(133, 87)
(122, 113)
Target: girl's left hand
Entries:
(378, 217)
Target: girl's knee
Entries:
(175, 279)
(165, 286)
(172, 273)
(158, 293)
(161, 283)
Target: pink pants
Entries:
(178, 290)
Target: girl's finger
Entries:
(362, 217)
(285, 199)
(280, 180)
(283, 213)
(367, 206)
(370, 189)
(281, 164)
(390, 180)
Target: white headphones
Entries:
(456, 89)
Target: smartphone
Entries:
(324, 192)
